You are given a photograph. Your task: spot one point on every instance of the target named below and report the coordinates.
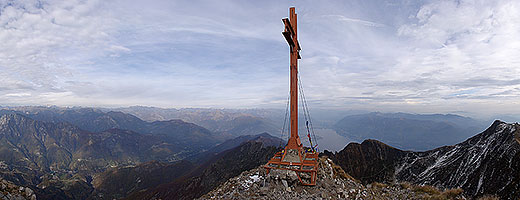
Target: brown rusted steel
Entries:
(293, 157)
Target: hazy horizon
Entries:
(319, 112)
(424, 57)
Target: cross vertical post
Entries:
(294, 156)
(291, 35)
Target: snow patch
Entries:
(252, 179)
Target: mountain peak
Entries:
(498, 130)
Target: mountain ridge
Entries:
(487, 163)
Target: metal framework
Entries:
(294, 156)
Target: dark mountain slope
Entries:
(409, 131)
(227, 164)
(264, 138)
(369, 161)
(119, 182)
(487, 163)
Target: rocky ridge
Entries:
(485, 164)
(488, 163)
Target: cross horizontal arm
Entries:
(288, 26)
(289, 38)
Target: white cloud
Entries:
(447, 56)
(437, 57)
(353, 20)
(36, 37)
(462, 43)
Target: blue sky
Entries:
(412, 56)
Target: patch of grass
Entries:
(432, 193)
(427, 189)
(338, 171)
(489, 197)
(452, 193)
(405, 185)
(379, 185)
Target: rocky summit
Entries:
(332, 183)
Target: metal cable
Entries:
(306, 110)
(284, 121)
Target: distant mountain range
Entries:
(224, 121)
(409, 131)
(187, 137)
(487, 163)
(402, 130)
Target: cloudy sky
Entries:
(408, 55)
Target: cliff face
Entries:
(488, 163)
